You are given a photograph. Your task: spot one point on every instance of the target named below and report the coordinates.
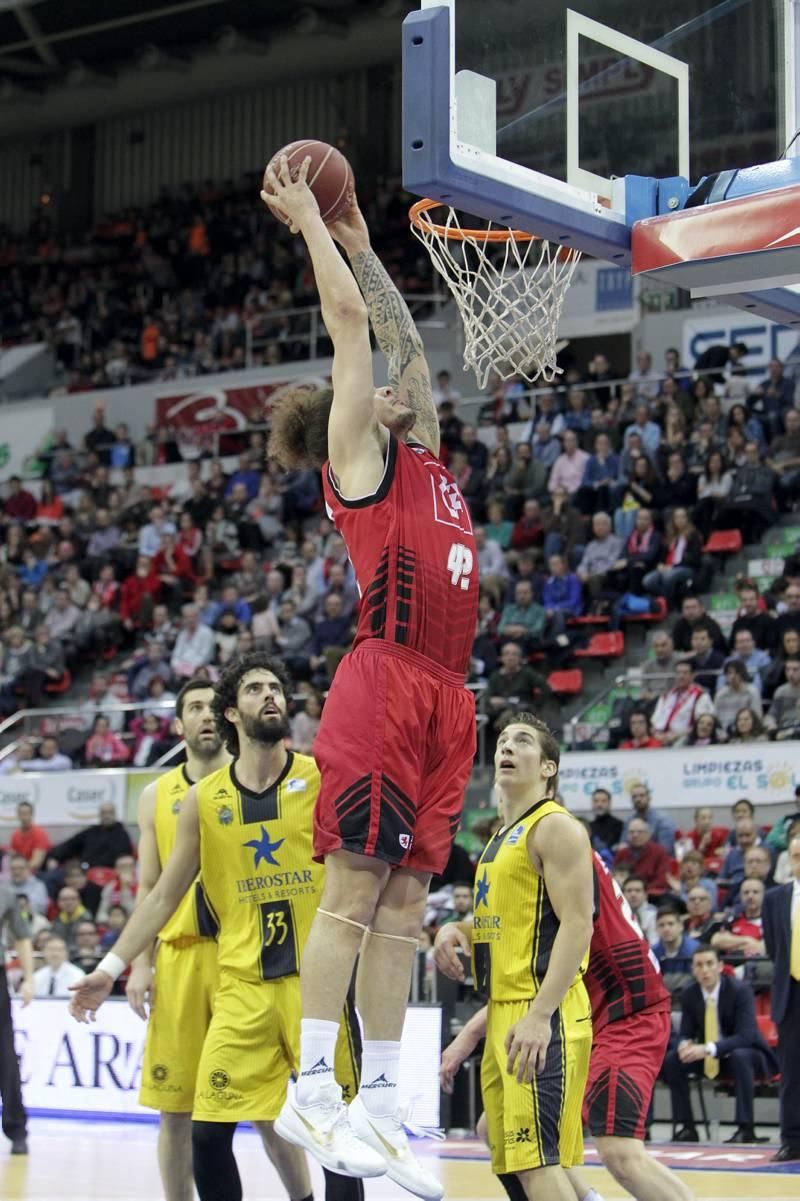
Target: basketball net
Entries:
(509, 287)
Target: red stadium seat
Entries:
(603, 646)
(591, 619)
(566, 683)
(724, 542)
(61, 685)
(767, 1028)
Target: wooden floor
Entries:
(103, 1161)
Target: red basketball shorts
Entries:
(626, 1059)
(395, 748)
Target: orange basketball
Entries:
(330, 176)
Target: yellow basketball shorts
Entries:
(533, 1125)
(253, 1046)
(186, 980)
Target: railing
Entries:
(597, 699)
(27, 723)
(301, 327)
(305, 327)
(529, 395)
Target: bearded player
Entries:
(631, 1021)
(182, 973)
(248, 828)
(397, 739)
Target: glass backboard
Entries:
(626, 117)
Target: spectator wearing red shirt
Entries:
(106, 587)
(28, 840)
(528, 531)
(641, 738)
(174, 569)
(743, 934)
(20, 505)
(645, 858)
(138, 595)
(708, 839)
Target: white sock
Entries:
(380, 1070)
(592, 1195)
(317, 1050)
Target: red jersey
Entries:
(25, 842)
(414, 555)
(623, 976)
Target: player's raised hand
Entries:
(291, 198)
(88, 995)
(140, 989)
(351, 231)
(527, 1042)
(449, 942)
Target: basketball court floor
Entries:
(115, 1161)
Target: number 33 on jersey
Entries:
(413, 550)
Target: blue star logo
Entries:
(264, 849)
(482, 896)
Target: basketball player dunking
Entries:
(397, 738)
(248, 828)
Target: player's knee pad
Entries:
(208, 1136)
(348, 921)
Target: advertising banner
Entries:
(764, 340)
(24, 430)
(601, 299)
(137, 782)
(68, 1068)
(765, 772)
(68, 798)
(201, 415)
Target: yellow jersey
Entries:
(256, 864)
(513, 924)
(192, 918)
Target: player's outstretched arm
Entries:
(559, 849)
(140, 982)
(355, 441)
(146, 921)
(397, 335)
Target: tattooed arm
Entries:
(393, 325)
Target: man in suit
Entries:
(718, 1036)
(781, 926)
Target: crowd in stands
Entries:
(76, 895)
(590, 503)
(198, 282)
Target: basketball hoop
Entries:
(509, 287)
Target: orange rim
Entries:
(460, 235)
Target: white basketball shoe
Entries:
(387, 1136)
(324, 1130)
